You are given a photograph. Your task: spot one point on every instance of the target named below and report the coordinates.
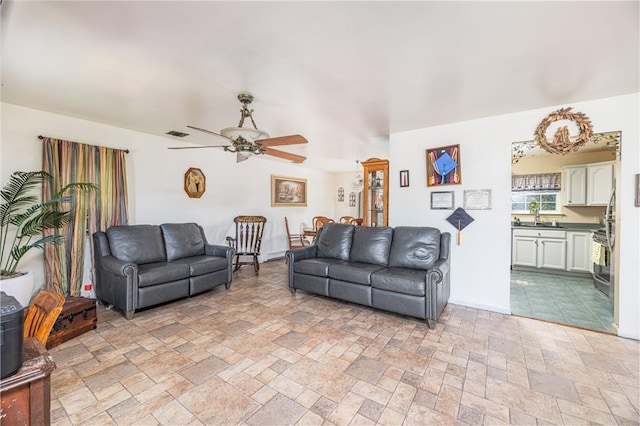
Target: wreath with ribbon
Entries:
(561, 143)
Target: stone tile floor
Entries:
(559, 298)
(255, 355)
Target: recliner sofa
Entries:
(403, 270)
(138, 266)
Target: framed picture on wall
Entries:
(404, 178)
(195, 182)
(442, 200)
(288, 191)
(443, 166)
(477, 199)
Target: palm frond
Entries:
(23, 209)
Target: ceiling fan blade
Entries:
(198, 147)
(208, 132)
(286, 155)
(240, 157)
(283, 140)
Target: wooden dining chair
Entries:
(248, 239)
(346, 219)
(42, 315)
(357, 221)
(295, 240)
(320, 221)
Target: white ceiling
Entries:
(343, 74)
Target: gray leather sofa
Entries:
(139, 266)
(403, 270)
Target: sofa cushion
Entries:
(200, 265)
(182, 240)
(353, 272)
(400, 280)
(161, 272)
(334, 241)
(315, 266)
(414, 247)
(371, 245)
(137, 243)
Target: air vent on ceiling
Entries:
(177, 133)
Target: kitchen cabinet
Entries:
(588, 184)
(599, 183)
(575, 185)
(537, 248)
(579, 251)
(376, 192)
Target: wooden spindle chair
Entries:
(249, 230)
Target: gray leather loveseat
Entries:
(138, 266)
(403, 270)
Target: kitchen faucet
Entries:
(536, 219)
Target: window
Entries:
(548, 201)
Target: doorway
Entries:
(558, 290)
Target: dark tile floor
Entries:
(562, 299)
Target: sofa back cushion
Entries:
(334, 241)
(137, 243)
(182, 240)
(414, 247)
(371, 245)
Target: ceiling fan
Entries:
(247, 141)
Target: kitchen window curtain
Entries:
(539, 182)
(95, 211)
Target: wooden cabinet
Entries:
(25, 395)
(579, 251)
(588, 184)
(375, 199)
(544, 249)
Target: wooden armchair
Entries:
(351, 220)
(346, 219)
(295, 240)
(42, 315)
(247, 241)
(320, 221)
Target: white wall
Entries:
(155, 178)
(480, 265)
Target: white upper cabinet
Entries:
(599, 183)
(575, 185)
(588, 184)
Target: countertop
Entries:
(561, 226)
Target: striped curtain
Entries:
(71, 162)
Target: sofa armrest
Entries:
(117, 283)
(292, 256)
(301, 253)
(222, 251)
(118, 267)
(219, 251)
(437, 289)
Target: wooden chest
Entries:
(77, 317)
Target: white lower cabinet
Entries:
(545, 249)
(579, 251)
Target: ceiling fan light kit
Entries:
(247, 141)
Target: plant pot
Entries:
(22, 287)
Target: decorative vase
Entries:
(21, 287)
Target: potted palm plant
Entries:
(23, 220)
